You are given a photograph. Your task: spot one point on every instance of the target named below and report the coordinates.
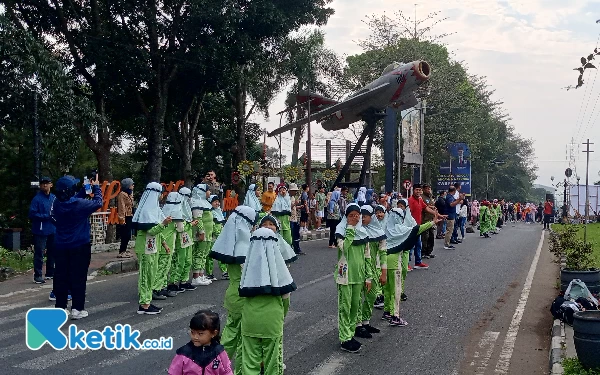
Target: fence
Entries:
(98, 226)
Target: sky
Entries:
(527, 49)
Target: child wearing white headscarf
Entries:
(172, 209)
(231, 248)
(282, 209)
(351, 274)
(201, 210)
(150, 223)
(251, 199)
(266, 284)
(218, 221)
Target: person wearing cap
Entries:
(150, 223)
(125, 214)
(351, 275)
(43, 231)
(72, 243)
(282, 209)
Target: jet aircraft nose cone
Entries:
(422, 70)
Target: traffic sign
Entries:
(406, 184)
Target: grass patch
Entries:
(104, 272)
(572, 366)
(19, 261)
(593, 237)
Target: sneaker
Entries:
(158, 296)
(458, 240)
(186, 286)
(450, 247)
(425, 257)
(398, 322)
(151, 310)
(48, 277)
(76, 314)
(362, 332)
(52, 297)
(421, 266)
(431, 256)
(378, 303)
(225, 276)
(211, 277)
(156, 307)
(39, 280)
(350, 346)
(409, 268)
(486, 235)
(169, 292)
(386, 316)
(370, 328)
(180, 289)
(403, 297)
(454, 242)
(201, 280)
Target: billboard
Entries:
(412, 134)
(456, 167)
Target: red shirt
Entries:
(417, 205)
(548, 208)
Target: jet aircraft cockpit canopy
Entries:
(393, 66)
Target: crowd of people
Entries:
(178, 240)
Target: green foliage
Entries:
(567, 240)
(572, 366)
(19, 261)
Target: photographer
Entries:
(71, 212)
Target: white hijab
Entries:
(282, 205)
(148, 213)
(374, 229)
(399, 231)
(199, 201)
(265, 271)
(217, 212)
(232, 245)
(287, 252)
(173, 205)
(251, 199)
(360, 234)
(361, 196)
(186, 208)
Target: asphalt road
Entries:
(459, 312)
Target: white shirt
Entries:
(456, 196)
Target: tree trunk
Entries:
(155, 139)
(102, 152)
(240, 124)
(296, 145)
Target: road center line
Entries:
(322, 278)
(511, 336)
(331, 365)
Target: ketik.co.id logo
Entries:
(43, 326)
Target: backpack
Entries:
(577, 289)
(556, 307)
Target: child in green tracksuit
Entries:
(231, 248)
(202, 211)
(485, 220)
(351, 274)
(381, 217)
(150, 223)
(184, 241)
(172, 209)
(282, 209)
(376, 261)
(266, 284)
(218, 220)
(402, 232)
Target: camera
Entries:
(93, 174)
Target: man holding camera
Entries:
(43, 231)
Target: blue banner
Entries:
(456, 167)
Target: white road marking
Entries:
(322, 278)
(41, 288)
(13, 306)
(486, 348)
(310, 335)
(511, 336)
(52, 359)
(331, 365)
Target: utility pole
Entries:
(308, 148)
(36, 138)
(587, 194)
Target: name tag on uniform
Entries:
(186, 240)
(150, 245)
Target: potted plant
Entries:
(586, 335)
(578, 258)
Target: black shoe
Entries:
(169, 293)
(156, 307)
(378, 303)
(362, 333)
(425, 257)
(39, 280)
(151, 310)
(403, 297)
(158, 296)
(180, 289)
(454, 242)
(351, 346)
(370, 328)
(301, 253)
(225, 276)
(486, 235)
(386, 316)
(211, 277)
(458, 240)
(431, 256)
(187, 286)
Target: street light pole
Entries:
(587, 193)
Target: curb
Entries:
(104, 248)
(120, 266)
(557, 348)
(314, 235)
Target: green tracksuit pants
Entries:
(231, 339)
(392, 291)
(348, 308)
(181, 265)
(163, 268)
(146, 275)
(368, 298)
(268, 351)
(199, 255)
(210, 265)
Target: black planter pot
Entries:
(590, 278)
(586, 328)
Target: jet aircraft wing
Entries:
(359, 98)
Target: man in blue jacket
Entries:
(73, 252)
(43, 231)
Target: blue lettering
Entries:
(168, 343)
(76, 338)
(130, 339)
(94, 340)
(108, 338)
(119, 336)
